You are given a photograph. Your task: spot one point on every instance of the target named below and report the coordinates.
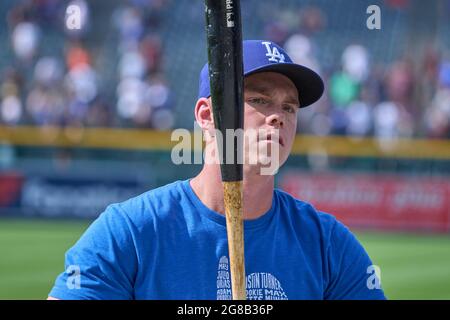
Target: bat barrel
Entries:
(224, 37)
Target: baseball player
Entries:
(171, 242)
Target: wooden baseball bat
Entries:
(224, 41)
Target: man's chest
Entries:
(193, 271)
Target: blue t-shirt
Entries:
(166, 244)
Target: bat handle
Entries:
(235, 231)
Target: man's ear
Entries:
(203, 114)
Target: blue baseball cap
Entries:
(266, 56)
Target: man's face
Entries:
(271, 105)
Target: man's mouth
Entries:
(275, 137)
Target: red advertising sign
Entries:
(10, 188)
(378, 201)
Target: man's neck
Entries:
(258, 191)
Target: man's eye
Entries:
(289, 108)
(258, 100)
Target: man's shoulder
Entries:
(312, 223)
(305, 217)
(161, 193)
(303, 208)
(151, 202)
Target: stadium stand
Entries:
(140, 59)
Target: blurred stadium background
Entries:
(86, 116)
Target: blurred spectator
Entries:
(386, 119)
(320, 124)
(45, 106)
(276, 31)
(158, 93)
(48, 71)
(301, 51)
(21, 12)
(312, 20)
(99, 114)
(128, 20)
(47, 11)
(359, 115)
(80, 83)
(392, 120)
(132, 65)
(139, 101)
(398, 4)
(437, 117)
(150, 49)
(159, 97)
(399, 82)
(343, 90)
(130, 100)
(25, 40)
(444, 75)
(77, 56)
(163, 119)
(11, 109)
(355, 62)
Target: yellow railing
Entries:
(138, 139)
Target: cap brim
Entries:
(309, 84)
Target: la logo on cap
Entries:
(273, 53)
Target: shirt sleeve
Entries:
(102, 264)
(352, 276)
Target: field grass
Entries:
(32, 255)
(413, 266)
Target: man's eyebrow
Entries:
(257, 88)
(293, 101)
(266, 91)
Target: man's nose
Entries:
(275, 119)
